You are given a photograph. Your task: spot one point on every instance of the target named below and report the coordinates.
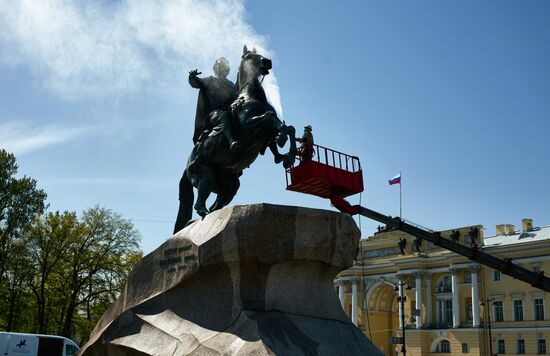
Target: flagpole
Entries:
(400, 197)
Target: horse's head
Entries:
(254, 64)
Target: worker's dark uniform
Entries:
(306, 149)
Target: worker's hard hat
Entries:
(307, 127)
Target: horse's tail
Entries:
(186, 198)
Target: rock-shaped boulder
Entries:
(254, 279)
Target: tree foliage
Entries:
(20, 203)
(60, 272)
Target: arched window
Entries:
(444, 285)
(444, 346)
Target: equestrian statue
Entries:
(233, 124)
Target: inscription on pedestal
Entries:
(174, 256)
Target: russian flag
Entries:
(395, 180)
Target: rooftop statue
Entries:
(455, 235)
(418, 244)
(233, 124)
(402, 245)
(473, 235)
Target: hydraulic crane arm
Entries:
(506, 266)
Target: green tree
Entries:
(58, 273)
(97, 263)
(18, 273)
(79, 268)
(48, 241)
(20, 203)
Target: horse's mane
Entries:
(240, 79)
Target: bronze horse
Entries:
(257, 127)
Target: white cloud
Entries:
(81, 49)
(20, 138)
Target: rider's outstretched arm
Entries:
(194, 80)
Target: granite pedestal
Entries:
(245, 280)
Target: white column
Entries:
(456, 304)
(418, 284)
(341, 291)
(428, 299)
(354, 301)
(364, 304)
(401, 295)
(439, 318)
(475, 297)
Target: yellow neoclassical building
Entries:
(452, 305)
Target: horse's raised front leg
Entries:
(276, 155)
(282, 137)
(289, 158)
(291, 132)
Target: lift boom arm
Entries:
(506, 266)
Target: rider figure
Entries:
(306, 148)
(216, 94)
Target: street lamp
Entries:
(486, 303)
(401, 299)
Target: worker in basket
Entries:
(306, 149)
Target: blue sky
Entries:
(95, 104)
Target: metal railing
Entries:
(333, 158)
